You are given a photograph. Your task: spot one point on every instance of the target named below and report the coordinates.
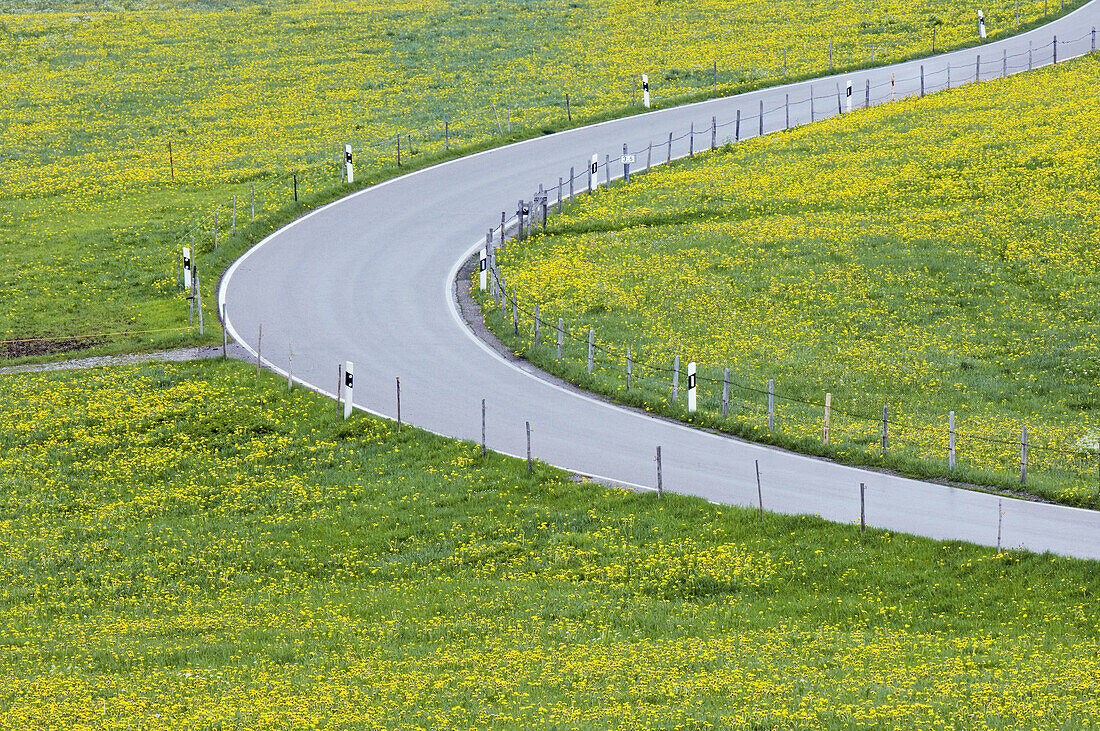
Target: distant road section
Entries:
(371, 277)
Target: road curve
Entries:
(370, 278)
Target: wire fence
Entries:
(269, 195)
(842, 425)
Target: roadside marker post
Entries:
(627, 161)
(482, 268)
(187, 268)
(349, 168)
(981, 25)
(593, 174)
(645, 90)
(848, 97)
(692, 401)
(349, 384)
(828, 417)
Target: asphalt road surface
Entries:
(371, 279)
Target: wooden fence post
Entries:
(676, 378)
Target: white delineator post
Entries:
(645, 90)
(981, 25)
(349, 382)
(482, 264)
(848, 97)
(348, 167)
(692, 403)
(593, 173)
(187, 268)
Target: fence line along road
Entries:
(371, 279)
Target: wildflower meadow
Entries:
(188, 546)
(924, 257)
(126, 130)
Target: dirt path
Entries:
(178, 355)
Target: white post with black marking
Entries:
(349, 169)
(645, 90)
(187, 268)
(692, 401)
(848, 97)
(483, 262)
(981, 25)
(593, 173)
(349, 381)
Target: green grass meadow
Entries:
(188, 546)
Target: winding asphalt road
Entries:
(371, 278)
